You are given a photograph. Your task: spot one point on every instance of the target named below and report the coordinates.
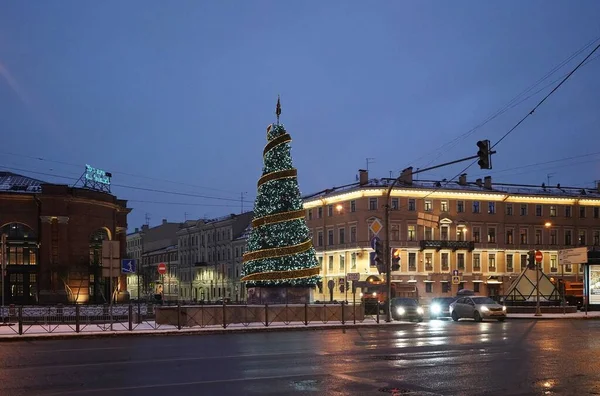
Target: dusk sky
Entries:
(175, 96)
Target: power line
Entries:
(181, 203)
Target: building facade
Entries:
(54, 236)
(484, 231)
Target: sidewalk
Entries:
(577, 315)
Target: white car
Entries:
(478, 308)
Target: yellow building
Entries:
(484, 231)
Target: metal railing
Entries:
(21, 320)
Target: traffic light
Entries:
(531, 260)
(485, 154)
(379, 257)
(395, 259)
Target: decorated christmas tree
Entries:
(280, 253)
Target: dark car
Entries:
(406, 309)
(440, 307)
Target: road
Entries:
(518, 357)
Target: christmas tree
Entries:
(280, 251)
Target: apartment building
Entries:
(484, 231)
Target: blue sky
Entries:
(176, 96)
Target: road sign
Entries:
(573, 256)
(128, 266)
(539, 256)
(454, 272)
(162, 268)
(353, 276)
(456, 280)
(376, 226)
(374, 241)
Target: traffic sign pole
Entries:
(539, 257)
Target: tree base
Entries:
(280, 295)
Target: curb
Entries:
(532, 317)
(200, 331)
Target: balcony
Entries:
(452, 245)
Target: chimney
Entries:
(145, 227)
(137, 230)
(462, 180)
(364, 177)
(164, 221)
(487, 182)
(479, 182)
(407, 176)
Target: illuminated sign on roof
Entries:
(97, 175)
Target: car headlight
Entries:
(504, 308)
(400, 311)
(420, 311)
(484, 309)
(436, 309)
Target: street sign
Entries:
(162, 268)
(456, 280)
(454, 272)
(353, 276)
(128, 266)
(539, 256)
(376, 226)
(573, 256)
(374, 241)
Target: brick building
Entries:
(484, 231)
(54, 237)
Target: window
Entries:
(428, 261)
(538, 210)
(568, 268)
(394, 203)
(444, 233)
(319, 213)
(329, 237)
(553, 266)
(353, 234)
(428, 206)
(568, 237)
(460, 233)
(476, 262)
(523, 209)
(353, 206)
(329, 210)
(445, 262)
(491, 235)
(320, 258)
(395, 232)
(582, 212)
(319, 238)
(523, 261)
(330, 263)
(509, 263)
(523, 236)
(476, 287)
(428, 233)
(412, 205)
(460, 259)
(509, 237)
(538, 237)
(353, 261)
(582, 235)
(412, 261)
(445, 287)
(460, 206)
(491, 207)
(411, 233)
(342, 262)
(568, 211)
(509, 209)
(553, 236)
(342, 235)
(372, 203)
(553, 211)
(444, 206)
(492, 262)
(596, 238)
(476, 234)
(596, 212)
(428, 287)
(476, 208)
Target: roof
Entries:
(502, 188)
(245, 234)
(11, 182)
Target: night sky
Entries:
(174, 97)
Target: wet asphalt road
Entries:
(518, 357)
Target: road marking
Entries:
(361, 380)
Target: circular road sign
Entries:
(539, 256)
(162, 268)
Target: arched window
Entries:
(21, 243)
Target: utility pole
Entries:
(242, 200)
(369, 161)
(147, 218)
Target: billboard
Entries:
(594, 282)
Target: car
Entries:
(478, 308)
(440, 307)
(406, 309)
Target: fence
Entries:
(20, 320)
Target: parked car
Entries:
(478, 308)
(440, 307)
(406, 309)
